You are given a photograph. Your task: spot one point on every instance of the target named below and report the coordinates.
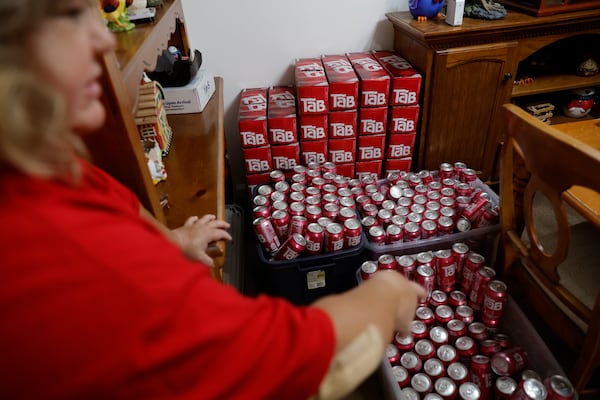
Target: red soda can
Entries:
(261, 211)
(425, 176)
(313, 191)
(464, 189)
(434, 368)
(317, 182)
(347, 213)
(324, 221)
(426, 258)
(281, 223)
(429, 229)
(362, 200)
(265, 190)
(434, 186)
(447, 354)
(446, 388)
(299, 179)
(468, 175)
(424, 349)
(329, 166)
(418, 329)
(530, 389)
(412, 232)
(481, 375)
(425, 276)
(297, 209)
(465, 314)
(483, 276)
(445, 170)
(407, 265)
(261, 200)
(313, 213)
(312, 200)
(298, 224)
(276, 176)
(457, 298)
(401, 376)
(559, 388)
(331, 211)
(493, 303)
(504, 387)
(277, 196)
(456, 328)
(431, 215)
(367, 269)
(477, 330)
(392, 354)
(469, 391)
(314, 239)
(352, 233)
(438, 335)
(333, 237)
(473, 210)
(290, 249)
(489, 347)
(466, 348)
(438, 298)
(384, 217)
(463, 225)
(265, 232)
(411, 361)
(376, 235)
(503, 340)
(377, 198)
(458, 372)
(416, 218)
(473, 262)
(280, 205)
(370, 210)
(445, 270)
(387, 261)
(488, 217)
(404, 343)
(330, 198)
(343, 190)
(393, 234)
(425, 314)
(445, 225)
(341, 182)
(329, 177)
(421, 383)
(509, 361)
(443, 314)
(459, 251)
(348, 203)
(283, 187)
(368, 222)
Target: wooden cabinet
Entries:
(468, 74)
(196, 160)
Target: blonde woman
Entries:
(98, 300)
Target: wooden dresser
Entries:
(469, 72)
(196, 160)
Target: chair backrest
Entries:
(538, 158)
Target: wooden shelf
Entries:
(555, 83)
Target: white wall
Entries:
(253, 43)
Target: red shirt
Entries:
(95, 303)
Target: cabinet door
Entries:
(463, 117)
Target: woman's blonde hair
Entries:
(33, 135)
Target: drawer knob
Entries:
(507, 76)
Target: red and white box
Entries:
(343, 83)
(256, 179)
(368, 169)
(406, 81)
(282, 122)
(372, 121)
(257, 159)
(400, 145)
(312, 87)
(285, 157)
(342, 124)
(403, 119)
(313, 151)
(374, 80)
(252, 118)
(397, 165)
(346, 170)
(370, 147)
(342, 151)
(313, 126)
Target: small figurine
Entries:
(115, 13)
(581, 103)
(588, 67)
(425, 9)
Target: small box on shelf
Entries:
(193, 97)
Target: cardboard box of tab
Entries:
(358, 110)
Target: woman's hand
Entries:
(197, 233)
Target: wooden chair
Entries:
(539, 159)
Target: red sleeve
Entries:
(100, 304)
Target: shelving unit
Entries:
(196, 160)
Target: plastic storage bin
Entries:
(483, 239)
(305, 279)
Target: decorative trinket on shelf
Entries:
(151, 117)
(115, 14)
(581, 103)
(423, 10)
(588, 67)
(154, 161)
(542, 111)
(484, 9)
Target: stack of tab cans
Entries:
(456, 349)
